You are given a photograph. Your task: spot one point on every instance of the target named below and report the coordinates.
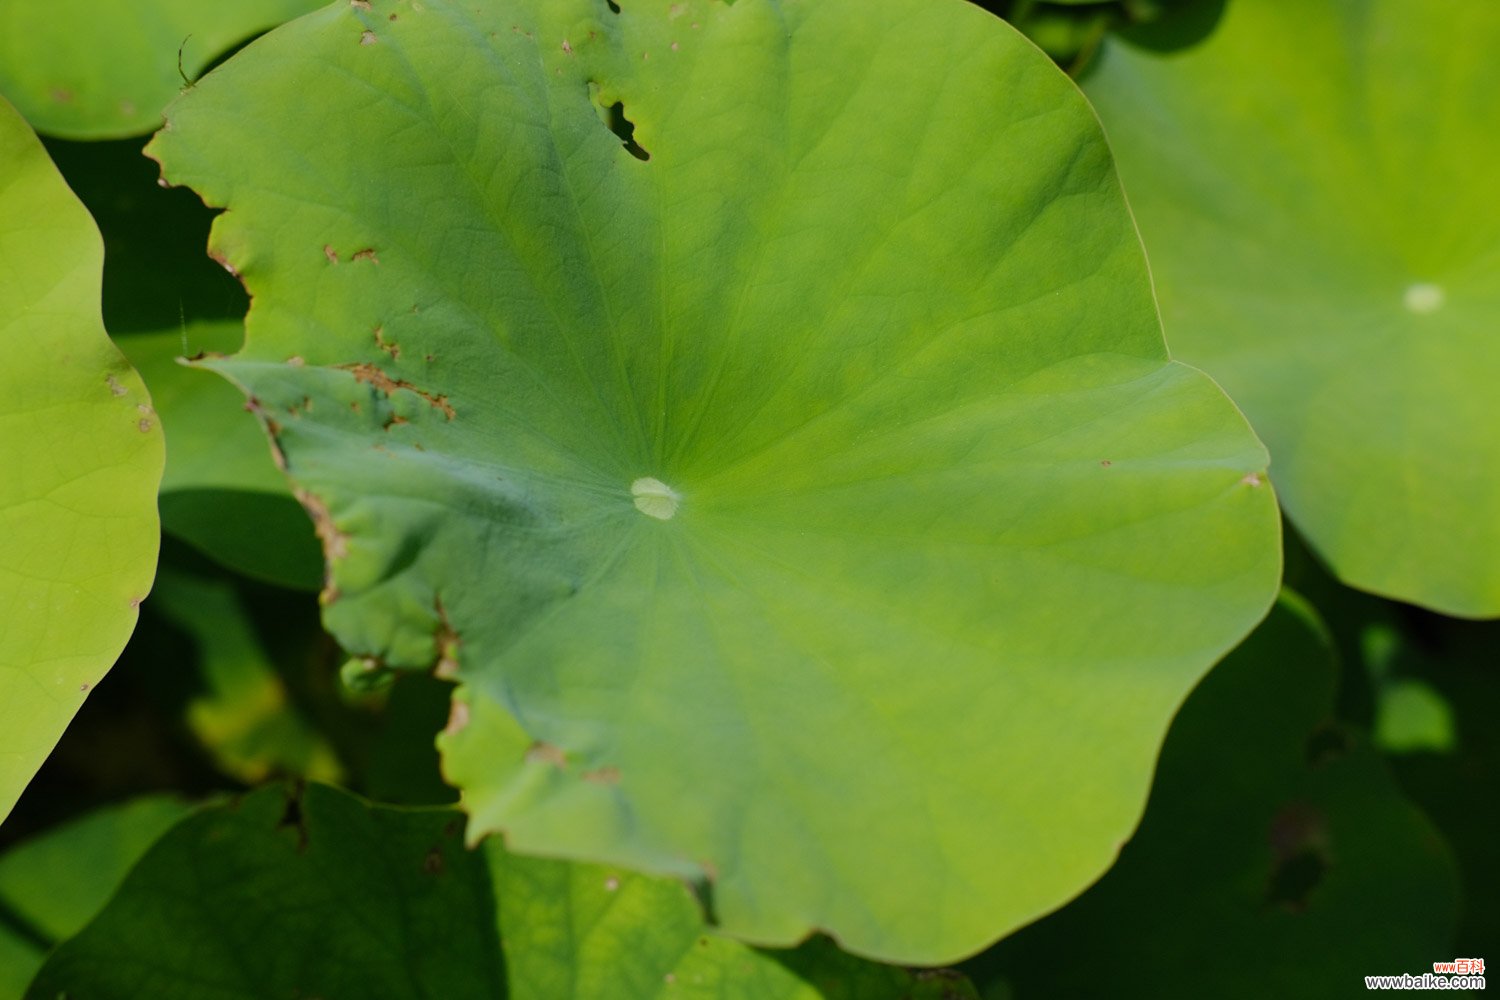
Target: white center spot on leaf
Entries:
(1424, 297)
(654, 498)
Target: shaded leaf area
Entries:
(1277, 856)
(1070, 31)
(81, 450)
(245, 717)
(85, 70)
(52, 885)
(1445, 750)
(165, 300)
(297, 894)
(246, 687)
(681, 464)
(1315, 188)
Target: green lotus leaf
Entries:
(52, 885)
(1315, 188)
(318, 894)
(1277, 856)
(86, 70)
(80, 459)
(809, 510)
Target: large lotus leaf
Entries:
(322, 895)
(811, 509)
(87, 70)
(52, 885)
(80, 459)
(1276, 858)
(1315, 187)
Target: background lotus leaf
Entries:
(317, 894)
(1315, 188)
(1276, 856)
(87, 70)
(52, 885)
(80, 459)
(775, 437)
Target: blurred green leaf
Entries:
(86, 70)
(1413, 716)
(1315, 187)
(54, 884)
(245, 717)
(1276, 858)
(318, 894)
(81, 454)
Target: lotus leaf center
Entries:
(654, 498)
(1424, 297)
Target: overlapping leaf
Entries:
(164, 300)
(80, 459)
(1315, 187)
(95, 71)
(762, 410)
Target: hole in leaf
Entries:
(1299, 845)
(1327, 743)
(1294, 878)
(614, 119)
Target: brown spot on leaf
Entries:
(367, 38)
(1253, 479)
(62, 95)
(295, 361)
(115, 388)
(446, 643)
(368, 253)
(335, 542)
(1105, 462)
(388, 346)
(373, 376)
(545, 753)
(458, 717)
(144, 425)
(223, 262)
(602, 776)
(360, 4)
(432, 864)
(330, 253)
